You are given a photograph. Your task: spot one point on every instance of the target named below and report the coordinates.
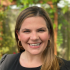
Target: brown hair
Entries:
(50, 61)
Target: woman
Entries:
(35, 40)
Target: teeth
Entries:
(35, 44)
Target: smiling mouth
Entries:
(35, 44)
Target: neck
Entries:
(31, 57)
(31, 60)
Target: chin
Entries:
(35, 52)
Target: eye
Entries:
(27, 31)
(41, 30)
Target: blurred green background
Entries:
(10, 11)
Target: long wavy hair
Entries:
(50, 60)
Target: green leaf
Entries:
(18, 2)
(60, 25)
(36, 1)
(10, 0)
(54, 26)
(65, 9)
(30, 1)
(55, 1)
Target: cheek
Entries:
(23, 37)
(45, 37)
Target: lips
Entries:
(34, 45)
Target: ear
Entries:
(18, 34)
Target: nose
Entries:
(34, 36)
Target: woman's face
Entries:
(34, 35)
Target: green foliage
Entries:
(54, 26)
(8, 41)
(66, 6)
(65, 9)
(62, 31)
(60, 38)
(1, 15)
(11, 0)
(7, 44)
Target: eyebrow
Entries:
(37, 29)
(42, 28)
(25, 29)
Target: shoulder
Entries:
(7, 60)
(8, 56)
(64, 64)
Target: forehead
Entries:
(37, 21)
